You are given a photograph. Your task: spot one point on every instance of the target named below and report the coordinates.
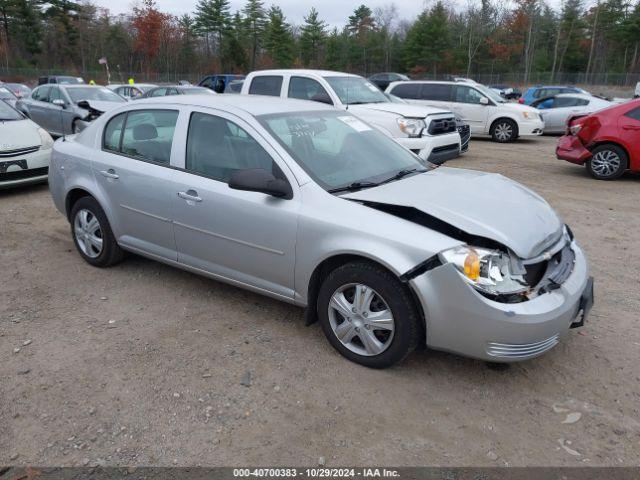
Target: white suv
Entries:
(429, 132)
(483, 109)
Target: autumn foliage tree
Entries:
(149, 25)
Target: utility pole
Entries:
(593, 40)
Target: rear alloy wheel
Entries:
(504, 130)
(607, 162)
(368, 315)
(92, 234)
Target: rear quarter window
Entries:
(635, 114)
(266, 85)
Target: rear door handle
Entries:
(111, 173)
(631, 127)
(190, 195)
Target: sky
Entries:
(334, 12)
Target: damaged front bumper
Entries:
(459, 319)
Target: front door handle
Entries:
(190, 195)
(631, 127)
(111, 173)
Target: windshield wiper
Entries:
(401, 174)
(353, 186)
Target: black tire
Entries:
(501, 127)
(596, 164)
(111, 253)
(408, 329)
(74, 127)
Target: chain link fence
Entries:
(619, 80)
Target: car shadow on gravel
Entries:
(22, 190)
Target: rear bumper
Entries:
(461, 320)
(571, 149)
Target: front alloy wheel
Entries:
(361, 319)
(504, 131)
(368, 315)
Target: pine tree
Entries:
(278, 39)
(312, 38)
(212, 18)
(254, 20)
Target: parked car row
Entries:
(429, 132)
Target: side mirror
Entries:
(84, 104)
(484, 101)
(58, 102)
(259, 180)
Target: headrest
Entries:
(145, 131)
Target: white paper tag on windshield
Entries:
(354, 123)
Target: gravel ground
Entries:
(143, 364)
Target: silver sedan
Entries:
(66, 109)
(315, 207)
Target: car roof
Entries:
(252, 104)
(303, 71)
(584, 96)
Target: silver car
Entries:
(310, 205)
(66, 109)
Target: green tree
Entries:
(212, 18)
(428, 39)
(254, 20)
(312, 39)
(278, 39)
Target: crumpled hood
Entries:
(16, 134)
(104, 106)
(405, 110)
(482, 204)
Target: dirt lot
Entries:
(143, 364)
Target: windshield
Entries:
(8, 113)
(69, 80)
(94, 93)
(492, 94)
(337, 150)
(197, 90)
(5, 93)
(355, 90)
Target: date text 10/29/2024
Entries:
(303, 473)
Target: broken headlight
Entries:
(490, 271)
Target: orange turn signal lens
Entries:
(472, 266)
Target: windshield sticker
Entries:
(354, 123)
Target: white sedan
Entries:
(557, 109)
(25, 149)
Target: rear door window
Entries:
(147, 134)
(436, 91)
(266, 85)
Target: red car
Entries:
(607, 141)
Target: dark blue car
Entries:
(218, 82)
